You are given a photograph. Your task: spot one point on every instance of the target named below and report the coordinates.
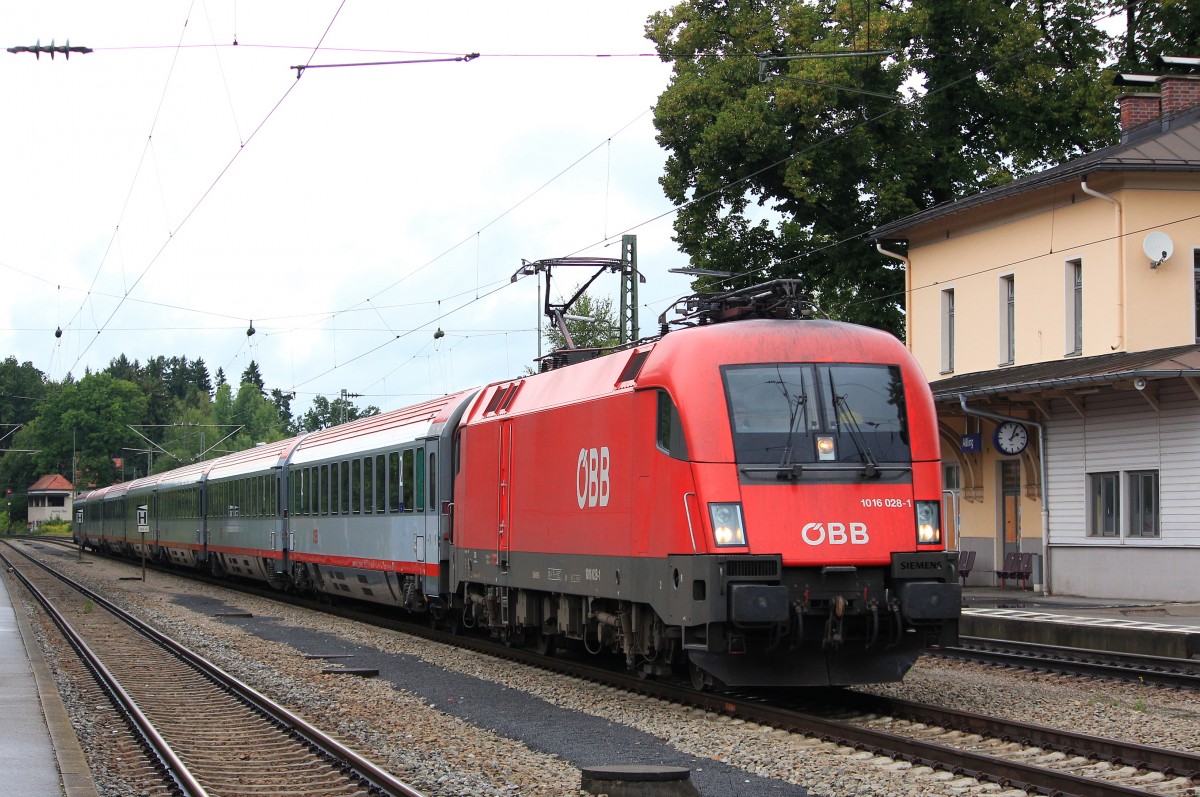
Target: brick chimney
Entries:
(1138, 109)
(1179, 93)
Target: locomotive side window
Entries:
(669, 432)
(785, 413)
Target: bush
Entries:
(54, 528)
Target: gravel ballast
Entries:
(453, 722)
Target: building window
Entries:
(947, 331)
(1074, 307)
(1008, 317)
(1196, 280)
(1104, 505)
(951, 477)
(1143, 503)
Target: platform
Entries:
(1146, 628)
(40, 755)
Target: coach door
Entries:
(428, 544)
(504, 497)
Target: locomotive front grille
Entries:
(752, 568)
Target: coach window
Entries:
(335, 489)
(420, 486)
(394, 481)
(355, 486)
(406, 480)
(324, 490)
(345, 487)
(380, 483)
(368, 483)
(433, 483)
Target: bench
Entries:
(966, 563)
(1017, 566)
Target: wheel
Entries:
(701, 680)
(545, 643)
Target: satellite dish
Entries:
(1158, 246)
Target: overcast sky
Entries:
(166, 189)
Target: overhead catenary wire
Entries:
(673, 210)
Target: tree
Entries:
(253, 376)
(283, 405)
(324, 413)
(594, 326)
(782, 178)
(1168, 27)
(21, 387)
(83, 426)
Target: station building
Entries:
(1058, 320)
(50, 498)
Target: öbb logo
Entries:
(835, 533)
(591, 477)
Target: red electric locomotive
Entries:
(757, 500)
(754, 501)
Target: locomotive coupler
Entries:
(798, 623)
(874, 607)
(834, 627)
(894, 608)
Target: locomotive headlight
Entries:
(826, 450)
(727, 525)
(929, 526)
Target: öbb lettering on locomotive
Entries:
(751, 502)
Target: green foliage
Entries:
(782, 178)
(599, 331)
(54, 528)
(149, 417)
(82, 426)
(325, 413)
(253, 376)
(21, 387)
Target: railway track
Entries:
(1171, 672)
(205, 731)
(1038, 759)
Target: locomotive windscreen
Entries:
(799, 413)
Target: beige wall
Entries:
(1033, 241)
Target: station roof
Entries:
(1072, 374)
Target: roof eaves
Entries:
(1064, 382)
(1125, 156)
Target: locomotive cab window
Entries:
(797, 413)
(669, 430)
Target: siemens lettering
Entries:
(816, 533)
